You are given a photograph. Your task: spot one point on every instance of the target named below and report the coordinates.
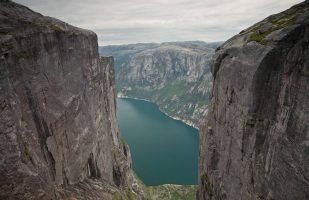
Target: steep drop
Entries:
(59, 137)
(255, 140)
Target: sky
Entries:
(142, 21)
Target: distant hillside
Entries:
(175, 75)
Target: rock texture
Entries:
(255, 140)
(59, 137)
(175, 75)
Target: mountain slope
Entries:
(254, 143)
(175, 75)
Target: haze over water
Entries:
(164, 150)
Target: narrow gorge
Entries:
(59, 132)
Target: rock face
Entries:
(255, 140)
(175, 75)
(59, 137)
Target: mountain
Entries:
(174, 75)
(254, 143)
(59, 137)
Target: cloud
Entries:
(132, 21)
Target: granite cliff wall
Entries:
(255, 140)
(59, 136)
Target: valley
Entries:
(174, 75)
(242, 105)
(145, 128)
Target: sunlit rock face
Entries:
(254, 143)
(58, 133)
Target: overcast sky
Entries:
(133, 21)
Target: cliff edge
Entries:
(59, 137)
(255, 140)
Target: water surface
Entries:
(163, 150)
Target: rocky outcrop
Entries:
(255, 140)
(59, 137)
(175, 75)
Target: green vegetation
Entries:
(26, 153)
(172, 192)
(181, 96)
(202, 103)
(164, 192)
(139, 93)
(128, 195)
(174, 98)
(161, 192)
(280, 21)
(209, 127)
(19, 19)
(256, 37)
(178, 88)
(117, 196)
(56, 28)
(207, 184)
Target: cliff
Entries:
(255, 139)
(59, 137)
(174, 75)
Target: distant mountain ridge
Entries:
(175, 75)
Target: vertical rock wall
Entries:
(255, 140)
(57, 109)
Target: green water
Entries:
(163, 150)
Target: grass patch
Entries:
(117, 196)
(56, 28)
(172, 192)
(127, 195)
(207, 184)
(282, 20)
(256, 37)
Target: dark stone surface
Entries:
(255, 140)
(265, 28)
(58, 124)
